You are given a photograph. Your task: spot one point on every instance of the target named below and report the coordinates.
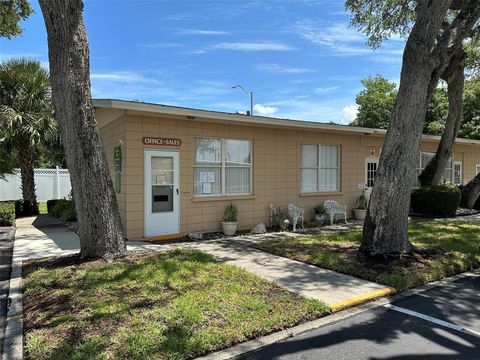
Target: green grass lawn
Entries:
(42, 208)
(174, 305)
(444, 249)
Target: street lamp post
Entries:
(248, 93)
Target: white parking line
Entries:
(433, 320)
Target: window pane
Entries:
(162, 170)
(309, 155)
(426, 157)
(309, 180)
(208, 151)
(207, 180)
(328, 156)
(328, 180)
(237, 180)
(238, 153)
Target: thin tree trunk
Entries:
(100, 228)
(471, 192)
(386, 222)
(27, 174)
(455, 77)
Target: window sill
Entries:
(321, 193)
(220, 198)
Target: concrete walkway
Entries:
(329, 286)
(45, 237)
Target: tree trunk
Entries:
(471, 192)
(27, 174)
(455, 77)
(386, 222)
(100, 228)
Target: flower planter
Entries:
(359, 214)
(229, 227)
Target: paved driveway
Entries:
(442, 323)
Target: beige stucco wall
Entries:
(276, 168)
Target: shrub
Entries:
(7, 213)
(69, 214)
(436, 200)
(319, 210)
(26, 208)
(362, 202)
(60, 206)
(50, 205)
(231, 213)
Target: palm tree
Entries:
(26, 118)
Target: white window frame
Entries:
(370, 160)
(223, 166)
(420, 168)
(455, 163)
(319, 167)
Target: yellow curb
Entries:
(357, 300)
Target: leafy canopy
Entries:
(26, 113)
(11, 13)
(382, 19)
(377, 99)
(375, 102)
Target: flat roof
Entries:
(200, 114)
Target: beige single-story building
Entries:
(175, 169)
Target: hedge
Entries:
(7, 213)
(25, 208)
(62, 208)
(436, 200)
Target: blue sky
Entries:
(299, 57)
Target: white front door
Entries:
(161, 193)
(371, 166)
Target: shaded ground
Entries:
(172, 305)
(384, 333)
(443, 249)
(6, 249)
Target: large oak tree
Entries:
(100, 229)
(436, 30)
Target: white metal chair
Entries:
(333, 208)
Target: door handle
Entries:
(177, 192)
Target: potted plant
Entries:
(361, 206)
(230, 220)
(319, 213)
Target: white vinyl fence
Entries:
(49, 184)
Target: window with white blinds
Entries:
(222, 167)
(424, 159)
(320, 168)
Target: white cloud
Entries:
(164, 45)
(8, 56)
(253, 46)
(262, 110)
(279, 69)
(202, 32)
(118, 76)
(342, 40)
(350, 113)
(326, 90)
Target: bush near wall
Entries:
(25, 208)
(436, 200)
(50, 205)
(7, 213)
(62, 208)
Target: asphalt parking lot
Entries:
(441, 323)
